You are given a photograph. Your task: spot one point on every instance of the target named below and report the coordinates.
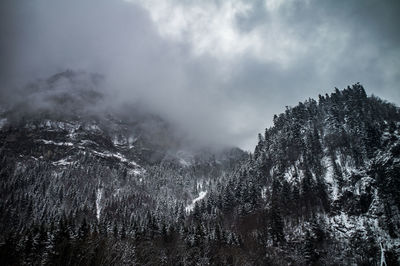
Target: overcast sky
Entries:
(219, 69)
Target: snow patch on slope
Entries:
(50, 142)
(116, 155)
(92, 127)
(99, 195)
(62, 162)
(201, 196)
(55, 126)
(264, 193)
(329, 177)
(88, 142)
(137, 172)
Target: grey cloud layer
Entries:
(222, 84)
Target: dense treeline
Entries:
(321, 188)
(320, 162)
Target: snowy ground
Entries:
(99, 195)
(201, 196)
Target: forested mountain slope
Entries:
(87, 186)
(67, 162)
(329, 172)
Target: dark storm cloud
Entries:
(345, 42)
(370, 49)
(217, 69)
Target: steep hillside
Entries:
(85, 185)
(67, 159)
(326, 178)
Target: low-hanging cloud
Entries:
(217, 69)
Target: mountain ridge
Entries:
(320, 188)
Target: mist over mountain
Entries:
(128, 132)
(84, 184)
(219, 69)
(81, 95)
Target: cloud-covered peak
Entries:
(220, 69)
